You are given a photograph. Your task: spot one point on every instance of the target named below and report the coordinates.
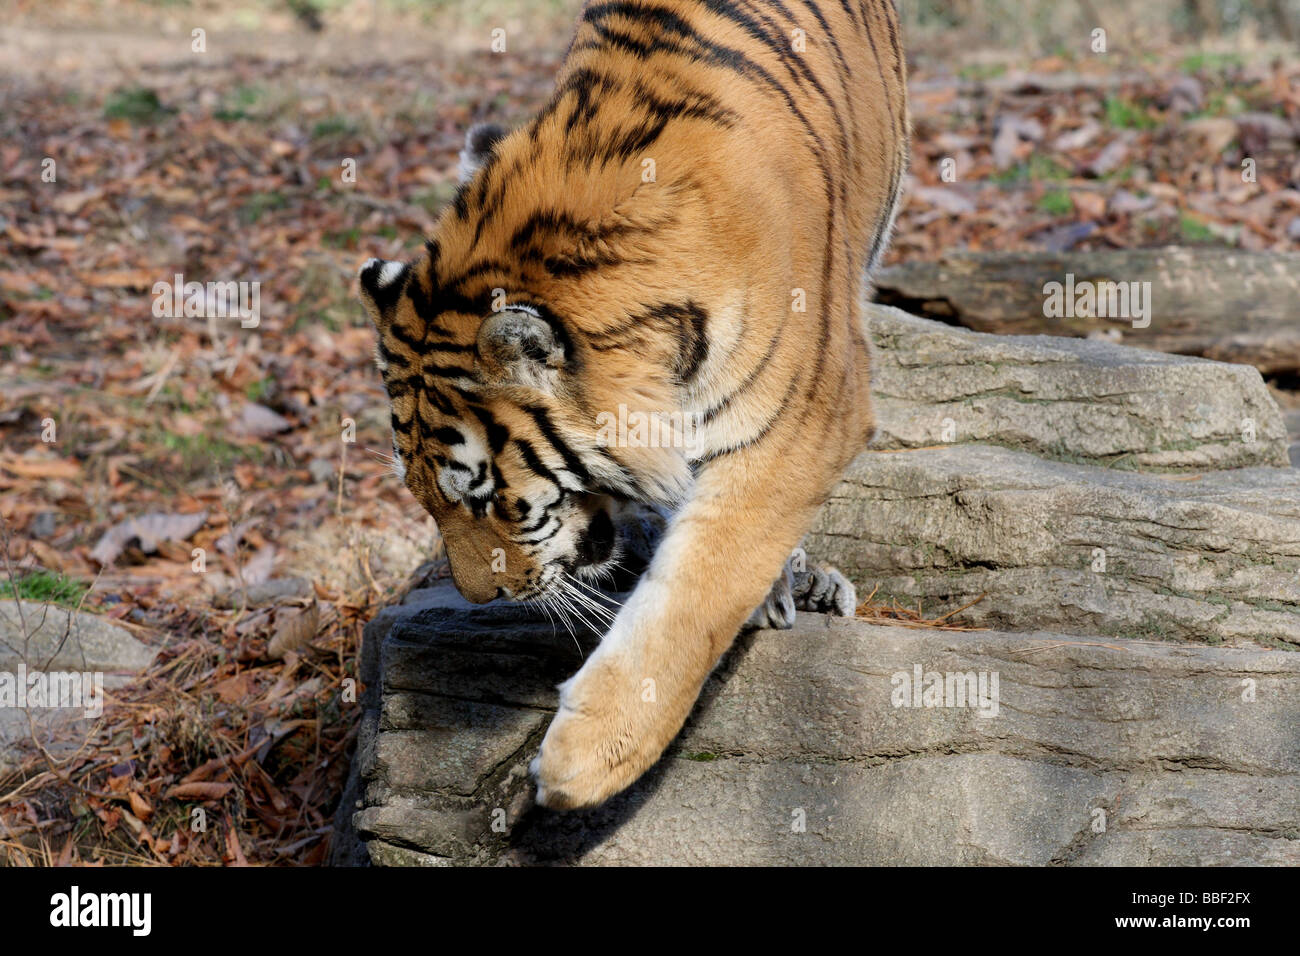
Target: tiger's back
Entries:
(739, 161)
(685, 228)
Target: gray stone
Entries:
(1110, 749)
(1077, 400)
(1117, 751)
(385, 854)
(57, 638)
(1209, 557)
(54, 639)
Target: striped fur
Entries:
(644, 242)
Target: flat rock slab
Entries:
(56, 638)
(803, 751)
(53, 639)
(1209, 557)
(1078, 400)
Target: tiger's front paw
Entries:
(778, 609)
(826, 591)
(820, 589)
(597, 745)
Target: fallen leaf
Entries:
(259, 567)
(41, 467)
(260, 421)
(294, 627)
(201, 790)
(134, 279)
(237, 688)
(234, 852)
(148, 530)
(140, 806)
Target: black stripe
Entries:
(534, 463)
(559, 526)
(690, 104)
(712, 53)
(852, 14)
(846, 70)
(753, 440)
(692, 341)
(444, 371)
(440, 401)
(571, 461)
(478, 269)
(497, 434)
(390, 358)
(753, 376)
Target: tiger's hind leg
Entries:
(820, 589)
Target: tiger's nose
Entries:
(597, 542)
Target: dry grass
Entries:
(226, 750)
(878, 612)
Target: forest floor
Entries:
(226, 165)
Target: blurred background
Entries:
(140, 140)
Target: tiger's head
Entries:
(484, 437)
(498, 381)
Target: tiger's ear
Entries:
(517, 346)
(479, 143)
(382, 281)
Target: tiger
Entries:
(685, 232)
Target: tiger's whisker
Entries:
(599, 594)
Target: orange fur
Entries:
(775, 174)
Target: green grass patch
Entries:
(333, 127)
(1213, 62)
(1037, 168)
(1127, 114)
(45, 587)
(1195, 231)
(259, 204)
(137, 104)
(327, 299)
(342, 238)
(239, 105)
(202, 454)
(979, 72)
(1056, 203)
(1217, 103)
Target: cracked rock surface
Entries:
(1075, 400)
(1208, 557)
(1110, 751)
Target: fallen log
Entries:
(1223, 304)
